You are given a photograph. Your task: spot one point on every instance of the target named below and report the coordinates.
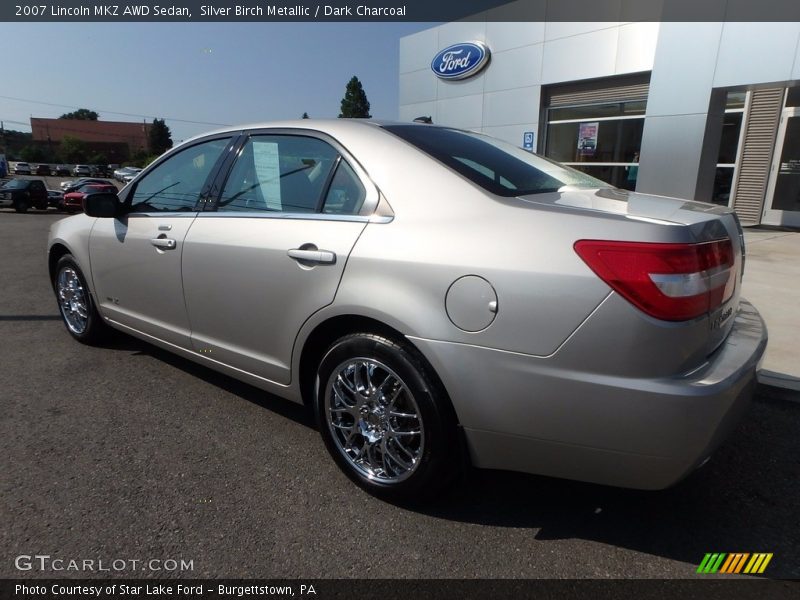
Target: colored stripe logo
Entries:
(736, 562)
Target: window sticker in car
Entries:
(268, 173)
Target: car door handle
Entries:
(164, 243)
(316, 256)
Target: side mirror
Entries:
(102, 204)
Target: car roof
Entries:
(324, 125)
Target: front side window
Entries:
(279, 173)
(177, 183)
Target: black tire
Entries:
(21, 206)
(437, 462)
(95, 329)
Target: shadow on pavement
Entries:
(743, 500)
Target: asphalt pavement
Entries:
(129, 453)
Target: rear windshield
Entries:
(496, 166)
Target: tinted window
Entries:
(278, 173)
(497, 167)
(176, 184)
(346, 193)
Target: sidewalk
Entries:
(772, 284)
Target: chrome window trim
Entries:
(373, 218)
(163, 215)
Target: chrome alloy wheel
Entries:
(374, 420)
(72, 300)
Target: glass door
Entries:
(782, 206)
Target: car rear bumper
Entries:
(529, 414)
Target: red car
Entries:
(73, 202)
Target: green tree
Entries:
(159, 138)
(32, 153)
(73, 150)
(97, 158)
(139, 159)
(305, 116)
(355, 104)
(82, 114)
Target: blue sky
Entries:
(226, 73)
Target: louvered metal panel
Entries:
(622, 93)
(621, 89)
(752, 175)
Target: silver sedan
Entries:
(437, 297)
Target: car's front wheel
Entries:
(21, 206)
(75, 303)
(385, 420)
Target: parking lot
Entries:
(127, 452)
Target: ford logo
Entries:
(460, 61)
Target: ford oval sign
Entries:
(460, 61)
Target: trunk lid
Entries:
(706, 222)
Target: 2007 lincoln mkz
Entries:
(438, 297)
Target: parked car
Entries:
(62, 170)
(119, 174)
(100, 171)
(43, 170)
(55, 199)
(82, 170)
(22, 168)
(419, 286)
(71, 186)
(131, 175)
(22, 194)
(73, 201)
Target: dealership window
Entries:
(729, 148)
(602, 140)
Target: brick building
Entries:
(118, 140)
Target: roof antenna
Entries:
(426, 120)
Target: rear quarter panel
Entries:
(445, 228)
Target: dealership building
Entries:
(706, 111)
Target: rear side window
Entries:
(497, 167)
(279, 173)
(176, 184)
(346, 193)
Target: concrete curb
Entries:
(779, 380)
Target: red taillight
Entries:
(672, 282)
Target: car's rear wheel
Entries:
(385, 420)
(75, 303)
